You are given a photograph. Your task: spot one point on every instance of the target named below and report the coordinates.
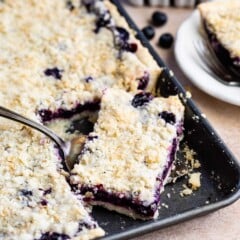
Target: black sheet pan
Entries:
(220, 171)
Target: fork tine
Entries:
(230, 70)
(217, 68)
(212, 66)
(206, 62)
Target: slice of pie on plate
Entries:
(221, 21)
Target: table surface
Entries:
(222, 224)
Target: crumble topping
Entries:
(194, 180)
(193, 176)
(222, 19)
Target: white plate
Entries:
(190, 63)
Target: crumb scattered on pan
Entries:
(194, 183)
(194, 178)
(185, 164)
(186, 191)
(195, 118)
(171, 73)
(164, 205)
(188, 94)
(190, 156)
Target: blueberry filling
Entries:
(141, 99)
(54, 236)
(54, 72)
(26, 193)
(70, 5)
(83, 225)
(58, 236)
(88, 79)
(48, 115)
(221, 52)
(168, 117)
(123, 33)
(44, 202)
(48, 191)
(91, 138)
(83, 126)
(121, 36)
(88, 4)
(104, 19)
(143, 81)
(100, 194)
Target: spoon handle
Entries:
(19, 118)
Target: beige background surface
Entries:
(223, 224)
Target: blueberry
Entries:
(46, 115)
(141, 99)
(91, 138)
(70, 5)
(122, 41)
(54, 72)
(132, 47)
(168, 117)
(103, 21)
(123, 33)
(165, 40)
(148, 32)
(159, 18)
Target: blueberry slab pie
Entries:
(127, 158)
(64, 63)
(222, 24)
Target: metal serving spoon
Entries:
(68, 149)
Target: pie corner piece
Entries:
(127, 158)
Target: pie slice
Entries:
(126, 160)
(221, 22)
